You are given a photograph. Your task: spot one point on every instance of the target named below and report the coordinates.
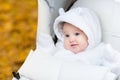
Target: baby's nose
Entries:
(72, 39)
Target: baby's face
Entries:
(75, 40)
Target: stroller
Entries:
(109, 13)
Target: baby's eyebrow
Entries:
(64, 32)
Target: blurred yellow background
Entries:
(18, 24)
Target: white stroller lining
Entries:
(46, 67)
(47, 12)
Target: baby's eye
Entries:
(66, 35)
(77, 34)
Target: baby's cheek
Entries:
(66, 45)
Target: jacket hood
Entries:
(83, 18)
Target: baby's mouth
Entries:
(73, 45)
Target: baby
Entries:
(79, 39)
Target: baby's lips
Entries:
(74, 44)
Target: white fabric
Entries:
(109, 14)
(40, 66)
(22, 78)
(102, 55)
(77, 71)
(99, 54)
(43, 65)
(83, 18)
(44, 14)
(47, 12)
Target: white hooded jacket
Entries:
(97, 53)
(84, 19)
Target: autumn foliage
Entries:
(18, 24)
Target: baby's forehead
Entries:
(66, 25)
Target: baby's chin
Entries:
(76, 51)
